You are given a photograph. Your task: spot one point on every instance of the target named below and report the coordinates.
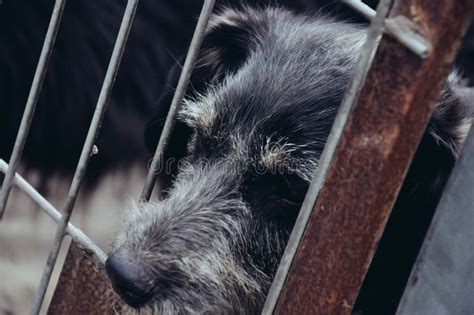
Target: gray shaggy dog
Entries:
(258, 113)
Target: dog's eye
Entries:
(289, 189)
(293, 200)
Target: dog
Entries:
(261, 103)
(87, 32)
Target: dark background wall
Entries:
(160, 34)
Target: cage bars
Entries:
(404, 30)
(367, 53)
(362, 8)
(76, 234)
(306, 245)
(369, 164)
(31, 103)
(86, 151)
(178, 97)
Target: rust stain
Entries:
(83, 287)
(381, 142)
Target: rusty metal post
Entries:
(83, 287)
(371, 160)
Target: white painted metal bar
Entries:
(401, 28)
(76, 234)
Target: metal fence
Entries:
(426, 37)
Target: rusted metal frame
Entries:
(83, 286)
(366, 56)
(442, 280)
(369, 164)
(86, 150)
(403, 29)
(178, 97)
(77, 235)
(31, 103)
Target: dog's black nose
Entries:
(127, 278)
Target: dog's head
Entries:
(260, 106)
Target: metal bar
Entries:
(369, 163)
(365, 60)
(31, 102)
(76, 234)
(404, 30)
(83, 286)
(178, 98)
(87, 150)
(442, 280)
(360, 7)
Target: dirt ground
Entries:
(26, 233)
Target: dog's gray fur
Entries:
(213, 245)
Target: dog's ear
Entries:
(177, 146)
(230, 37)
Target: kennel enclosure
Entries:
(410, 47)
